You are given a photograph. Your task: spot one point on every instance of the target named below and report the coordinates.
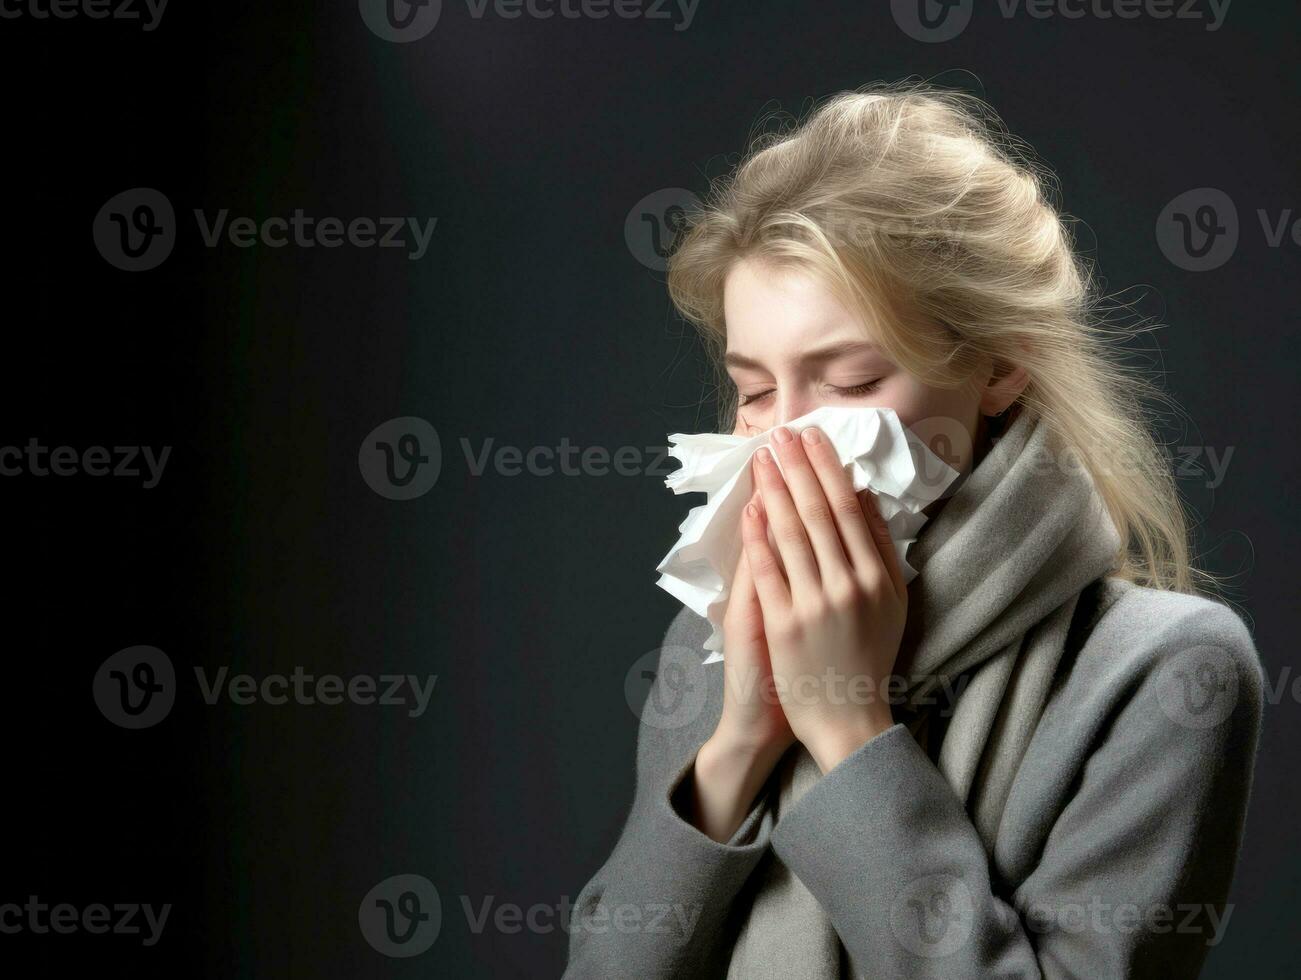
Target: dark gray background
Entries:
(528, 321)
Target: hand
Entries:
(752, 716)
(752, 731)
(832, 595)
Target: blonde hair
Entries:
(920, 209)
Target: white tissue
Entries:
(878, 452)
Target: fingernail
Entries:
(764, 455)
(812, 436)
(781, 435)
(751, 510)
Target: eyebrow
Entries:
(831, 351)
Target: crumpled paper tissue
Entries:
(878, 453)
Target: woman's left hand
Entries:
(833, 596)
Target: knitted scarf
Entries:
(1000, 571)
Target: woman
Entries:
(1049, 774)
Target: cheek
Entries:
(909, 400)
(944, 420)
(916, 403)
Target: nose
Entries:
(792, 404)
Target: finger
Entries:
(885, 549)
(847, 511)
(743, 620)
(787, 527)
(769, 583)
(811, 503)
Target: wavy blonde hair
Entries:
(919, 208)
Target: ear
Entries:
(1003, 388)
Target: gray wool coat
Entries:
(1113, 858)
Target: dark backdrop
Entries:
(531, 320)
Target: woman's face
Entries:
(792, 347)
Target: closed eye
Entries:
(844, 391)
(866, 388)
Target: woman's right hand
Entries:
(752, 731)
(752, 714)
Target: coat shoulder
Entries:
(1147, 630)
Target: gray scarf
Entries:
(1000, 571)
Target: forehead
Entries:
(773, 311)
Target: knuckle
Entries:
(846, 504)
(790, 533)
(843, 594)
(816, 512)
(873, 583)
(812, 608)
(764, 565)
(784, 629)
